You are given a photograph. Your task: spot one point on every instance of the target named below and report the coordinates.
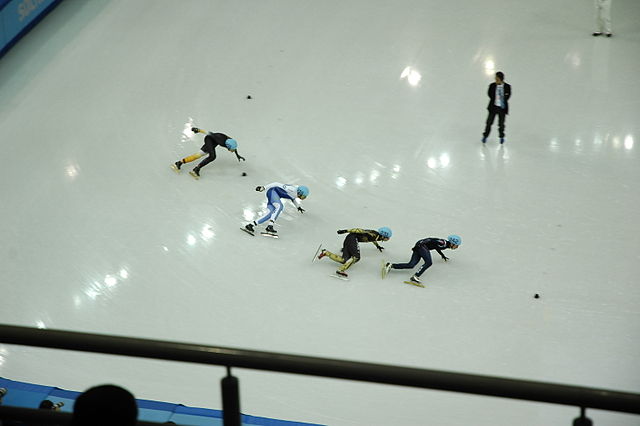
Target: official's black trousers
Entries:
(500, 112)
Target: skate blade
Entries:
(195, 176)
(383, 271)
(315, 256)
(175, 169)
(269, 234)
(248, 232)
(340, 277)
(416, 284)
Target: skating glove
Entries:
(445, 258)
(380, 248)
(342, 231)
(195, 130)
(300, 209)
(259, 188)
(240, 157)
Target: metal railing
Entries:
(583, 397)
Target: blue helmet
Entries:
(454, 239)
(231, 144)
(385, 232)
(303, 191)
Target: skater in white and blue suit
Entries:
(276, 192)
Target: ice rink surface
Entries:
(98, 234)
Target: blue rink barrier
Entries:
(17, 17)
(28, 395)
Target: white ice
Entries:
(98, 234)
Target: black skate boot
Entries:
(195, 173)
(249, 229)
(176, 166)
(270, 230)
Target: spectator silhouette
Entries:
(105, 405)
(46, 405)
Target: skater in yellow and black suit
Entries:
(351, 249)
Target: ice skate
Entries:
(386, 267)
(322, 254)
(249, 229)
(414, 281)
(317, 256)
(341, 275)
(195, 173)
(176, 166)
(269, 231)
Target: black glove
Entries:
(342, 231)
(195, 130)
(240, 157)
(259, 188)
(445, 258)
(300, 209)
(380, 248)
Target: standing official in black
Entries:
(499, 94)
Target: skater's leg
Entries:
(210, 158)
(277, 203)
(415, 258)
(193, 157)
(270, 210)
(178, 164)
(334, 257)
(426, 256)
(350, 247)
(274, 207)
(348, 264)
(350, 252)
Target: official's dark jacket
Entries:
(492, 96)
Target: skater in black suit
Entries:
(421, 250)
(211, 142)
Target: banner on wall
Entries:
(17, 17)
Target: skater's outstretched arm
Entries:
(371, 236)
(296, 202)
(445, 258)
(265, 187)
(351, 231)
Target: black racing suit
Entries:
(421, 250)
(211, 142)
